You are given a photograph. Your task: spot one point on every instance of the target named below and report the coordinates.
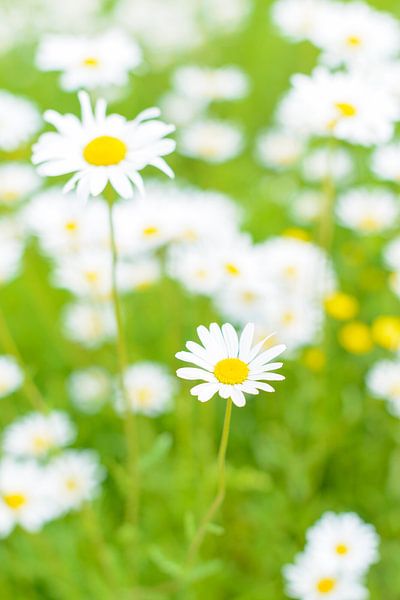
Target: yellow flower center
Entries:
(287, 318)
(150, 231)
(41, 443)
(248, 297)
(71, 226)
(232, 269)
(353, 41)
(105, 151)
(345, 109)
(326, 585)
(71, 484)
(201, 274)
(395, 390)
(231, 371)
(342, 549)
(14, 501)
(368, 223)
(92, 277)
(91, 61)
(144, 396)
(290, 272)
(9, 196)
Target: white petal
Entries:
(231, 340)
(246, 339)
(266, 377)
(192, 373)
(225, 391)
(121, 184)
(192, 358)
(204, 391)
(267, 356)
(238, 397)
(264, 386)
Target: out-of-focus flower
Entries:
(355, 337)
(279, 149)
(103, 149)
(386, 332)
(325, 162)
(89, 62)
(211, 140)
(341, 105)
(345, 541)
(74, 477)
(385, 162)
(149, 389)
(17, 182)
(307, 206)
(229, 365)
(11, 376)
(85, 274)
(383, 381)
(368, 211)
(12, 247)
(89, 389)
(298, 19)
(20, 121)
(36, 434)
(210, 85)
(341, 306)
(89, 324)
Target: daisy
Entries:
(314, 578)
(211, 140)
(346, 541)
(19, 121)
(85, 274)
(346, 106)
(17, 182)
(392, 254)
(298, 19)
(149, 388)
(138, 275)
(10, 259)
(229, 365)
(11, 376)
(103, 149)
(195, 268)
(36, 434)
(74, 478)
(89, 324)
(368, 211)
(225, 16)
(386, 162)
(89, 389)
(89, 62)
(279, 149)
(383, 381)
(307, 205)
(24, 496)
(210, 85)
(324, 162)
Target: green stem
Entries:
(219, 498)
(31, 390)
(122, 363)
(326, 220)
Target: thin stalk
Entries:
(219, 498)
(326, 226)
(129, 420)
(31, 390)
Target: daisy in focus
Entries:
(103, 149)
(230, 365)
(89, 62)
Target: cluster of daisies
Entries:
(40, 478)
(340, 550)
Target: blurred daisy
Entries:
(195, 269)
(86, 274)
(368, 211)
(341, 105)
(392, 254)
(17, 182)
(345, 541)
(149, 388)
(209, 85)
(298, 19)
(386, 162)
(313, 578)
(139, 274)
(279, 149)
(10, 256)
(225, 16)
(211, 140)
(11, 376)
(74, 478)
(89, 389)
(36, 434)
(324, 162)
(356, 34)
(103, 149)
(307, 205)
(383, 381)
(229, 365)
(89, 324)
(19, 121)
(89, 62)
(24, 497)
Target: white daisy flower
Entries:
(10, 256)
(306, 206)
(386, 162)
(89, 62)
(11, 376)
(383, 381)
(313, 578)
(74, 478)
(36, 434)
(210, 85)
(368, 211)
(19, 121)
(229, 365)
(298, 19)
(324, 162)
(140, 274)
(89, 389)
(244, 300)
(341, 105)
(225, 16)
(103, 149)
(211, 140)
(24, 496)
(17, 182)
(392, 254)
(89, 324)
(345, 541)
(149, 388)
(355, 34)
(279, 149)
(180, 109)
(86, 274)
